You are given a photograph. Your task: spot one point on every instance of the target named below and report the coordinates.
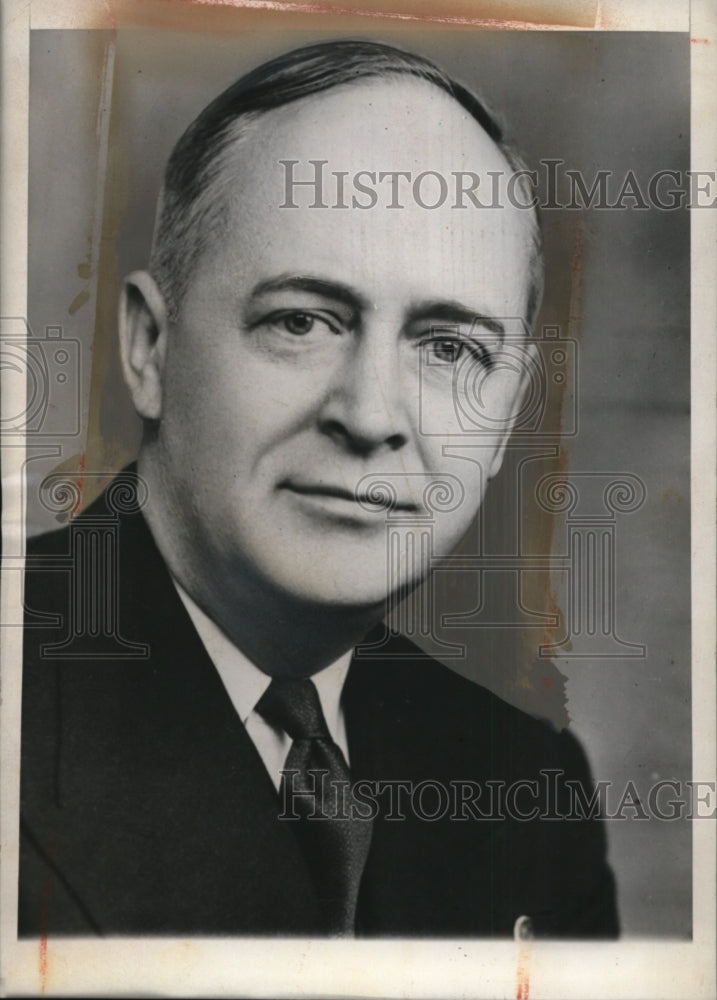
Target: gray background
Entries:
(597, 101)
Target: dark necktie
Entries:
(315, 787)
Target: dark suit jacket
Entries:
(146, 809)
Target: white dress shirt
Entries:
(245, 684)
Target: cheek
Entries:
(486, 402)
(449, 527)
(231, 397)
(473, 401)
(457, 467)
(461, 467)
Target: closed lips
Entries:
(326, 490)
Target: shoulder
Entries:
(105, 550)
(98, 599)
(417, 694)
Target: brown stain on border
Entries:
(431, 17)
(522, 991)
(42, 963)
(42, 956)
(220, 15)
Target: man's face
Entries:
(319, 352)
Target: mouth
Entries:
(375, 500)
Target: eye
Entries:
(445, 350)
(299, 323)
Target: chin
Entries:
(367, 592)
(352, 595)
(319, 586)
(352, 575)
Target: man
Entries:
(315, 308)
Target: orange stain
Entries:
(80, 483)
(523, 977)
(43, 963)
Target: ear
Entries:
(143, 333)
(529, 359)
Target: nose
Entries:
(365, 409)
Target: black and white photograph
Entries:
(358, 478)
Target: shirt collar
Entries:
(246, 683)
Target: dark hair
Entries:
(190, 213)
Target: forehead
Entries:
(402, 135)
(394, 116)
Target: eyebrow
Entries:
(455, 312)
(317, 286)
(435, 309)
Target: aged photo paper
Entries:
(581, 589)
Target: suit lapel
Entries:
(161, 814)
(403, 731)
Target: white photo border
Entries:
(389, 968)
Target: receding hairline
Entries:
(243, 125)
(249, 127)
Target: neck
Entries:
(287, 639)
